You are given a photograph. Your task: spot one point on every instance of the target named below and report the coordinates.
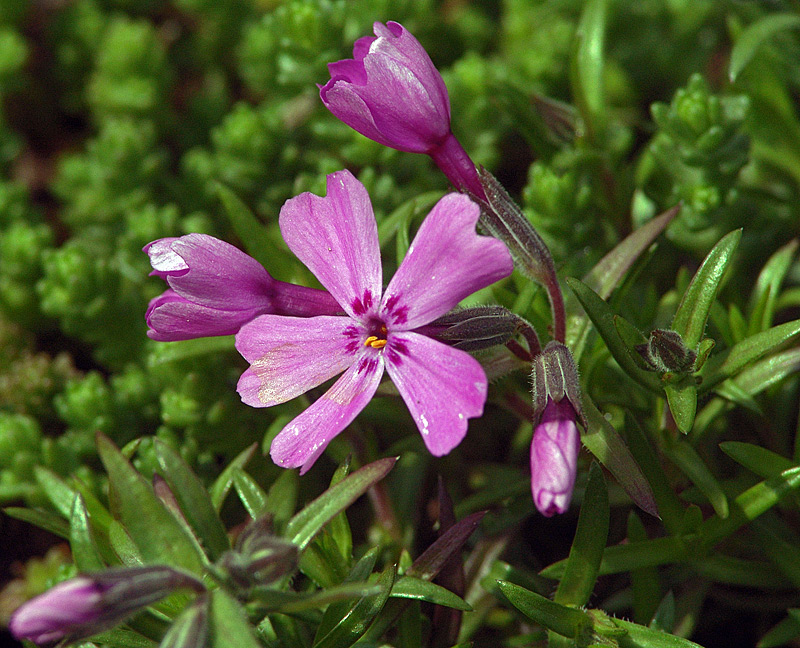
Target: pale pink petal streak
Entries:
(446, 262)
(301, 442)
(336, 237)
(290, 355)
(441, 386)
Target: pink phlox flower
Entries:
(336, 237)
(215, 288)
(554, 458)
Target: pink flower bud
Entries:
(554, 457)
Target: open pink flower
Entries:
(337, 238)
(215, 288)
(391, 92)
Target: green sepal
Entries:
(222, 485)
(603, 316)
(728, 363)
(682, 399)
(692, 314)
(410, 587)
(228, 626)
(603, 441)
(754, 36)
(194, 501)
(691, 464)
(190, 628)
(157, 534)
(308, 522)
(583, 563)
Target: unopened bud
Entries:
(555, 377)
(86, 605)
(472, 329)
(665, 352)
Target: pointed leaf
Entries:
(690, 318)
(271, 600)
(566, 621)
(281, 498)
(754, 36)
(61, 496)
(84, 551)
(761, 461)
(682, 399)
(768, 285)
(222, 484)
(357, 620)
(410, 587)
(638, 636)
(583, 563)
(609, 271)
(42, 519)
(190, 628)
(602, 316)
(194, 501)
(732, 361)
(428, 565)
(607, 446)
(250, 493)
(308, 522)
(251, 232)
(586, 68)
(783, 633)
(159, 537)
(686, 458)
(228, 626)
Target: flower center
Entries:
(375, 341)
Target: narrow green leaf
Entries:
(682, 399)
(42, 519)
(167, 352)
(761, 461)
(123, 546)
(250, 493)
(749, 505)
(783, 633)
(194, 501)
(156, 532)
(754, 36)
(733, 360)
(410, 587)
(308, 522)
(270, 600)
(638, 636)
(61, 496)
(586, 69)
(431, 561)
(322, 561)
(228, 626)
(602, 316)
(690, 318)
(355, 623)
(566, 621)
(670, 507)
(583, 563)
(251, 232)
(607, 446)
(634, 555)
(664, 617)
(686, 458)
(339, 527)
(282, 497)
(405, 214)
(222, 484)
(645, 582)
(768, 285)
(84, 550)
(609, 271)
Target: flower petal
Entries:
(171, 317)
(214, 267)
(337, 238)
(290, 355)
(442, 387)
(301, 442)
(446, 262)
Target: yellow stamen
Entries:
(370, 340)
(378, 344)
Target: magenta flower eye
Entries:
(337, 238)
